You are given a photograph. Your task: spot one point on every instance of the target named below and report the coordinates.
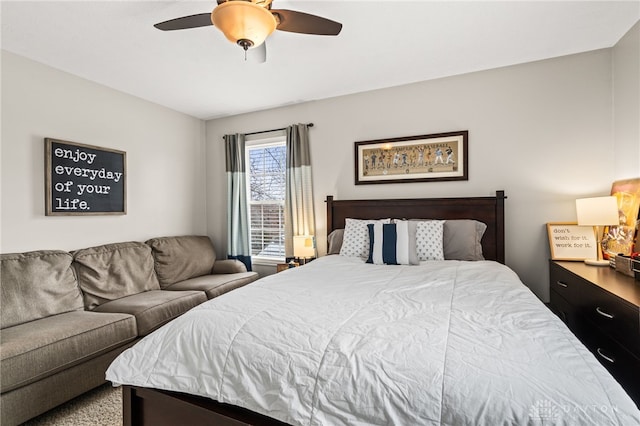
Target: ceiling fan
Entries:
(249, 22)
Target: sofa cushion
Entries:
(181, 258)
(155, 308)
(36, 285)
(217, 284)
(38, 349)
(27, 402)
(113, 271)
(228, 266)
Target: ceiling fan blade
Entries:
(185, 22)
(300, 22)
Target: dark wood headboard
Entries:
(489, 210)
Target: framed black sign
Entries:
(84, 179)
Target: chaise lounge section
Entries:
(190, 263)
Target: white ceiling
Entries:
(382, 44)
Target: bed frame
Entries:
(144, 406)
(489, 210)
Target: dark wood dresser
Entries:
(601, 307)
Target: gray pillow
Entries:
(335, 241)
(181, 258)
(113, 271)
(462, 239)
(36, 285)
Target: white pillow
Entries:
(355, 241)
(429, 240)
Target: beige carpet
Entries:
(99, 407)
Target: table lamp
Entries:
(597, 211)
(304, 247)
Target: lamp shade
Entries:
(598, 211)
(244, 23)
(304, 246)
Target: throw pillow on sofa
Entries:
(181, 258)
(113, 271)
(36, 285)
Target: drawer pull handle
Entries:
(561, 284)
(608, 358)
(604, 314)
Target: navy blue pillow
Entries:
(383, 240)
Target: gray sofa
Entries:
(66, 316)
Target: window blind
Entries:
(266, 186)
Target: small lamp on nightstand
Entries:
(598, 211)
(304, 247)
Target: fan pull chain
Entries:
(245, 44)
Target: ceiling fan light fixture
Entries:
(243, 23)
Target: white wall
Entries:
(540, 131)
(165, 159)
(546, 132)
(626, 112)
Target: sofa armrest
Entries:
(228, 266)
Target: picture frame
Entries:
(425, 158)
(569, 241)
(83, 179)
(621, 238)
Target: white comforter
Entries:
(339, 342)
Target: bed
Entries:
(341, 341)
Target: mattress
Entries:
(339, 341)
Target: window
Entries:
(266, 161)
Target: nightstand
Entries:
(602, 308)
(284, 266)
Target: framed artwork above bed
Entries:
(424, 158)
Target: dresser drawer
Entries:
(602, 308)
(564, 310)
(622, 365)
(564, 283)
(614, 317)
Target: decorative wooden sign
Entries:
(84, 179)
(568, 241)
